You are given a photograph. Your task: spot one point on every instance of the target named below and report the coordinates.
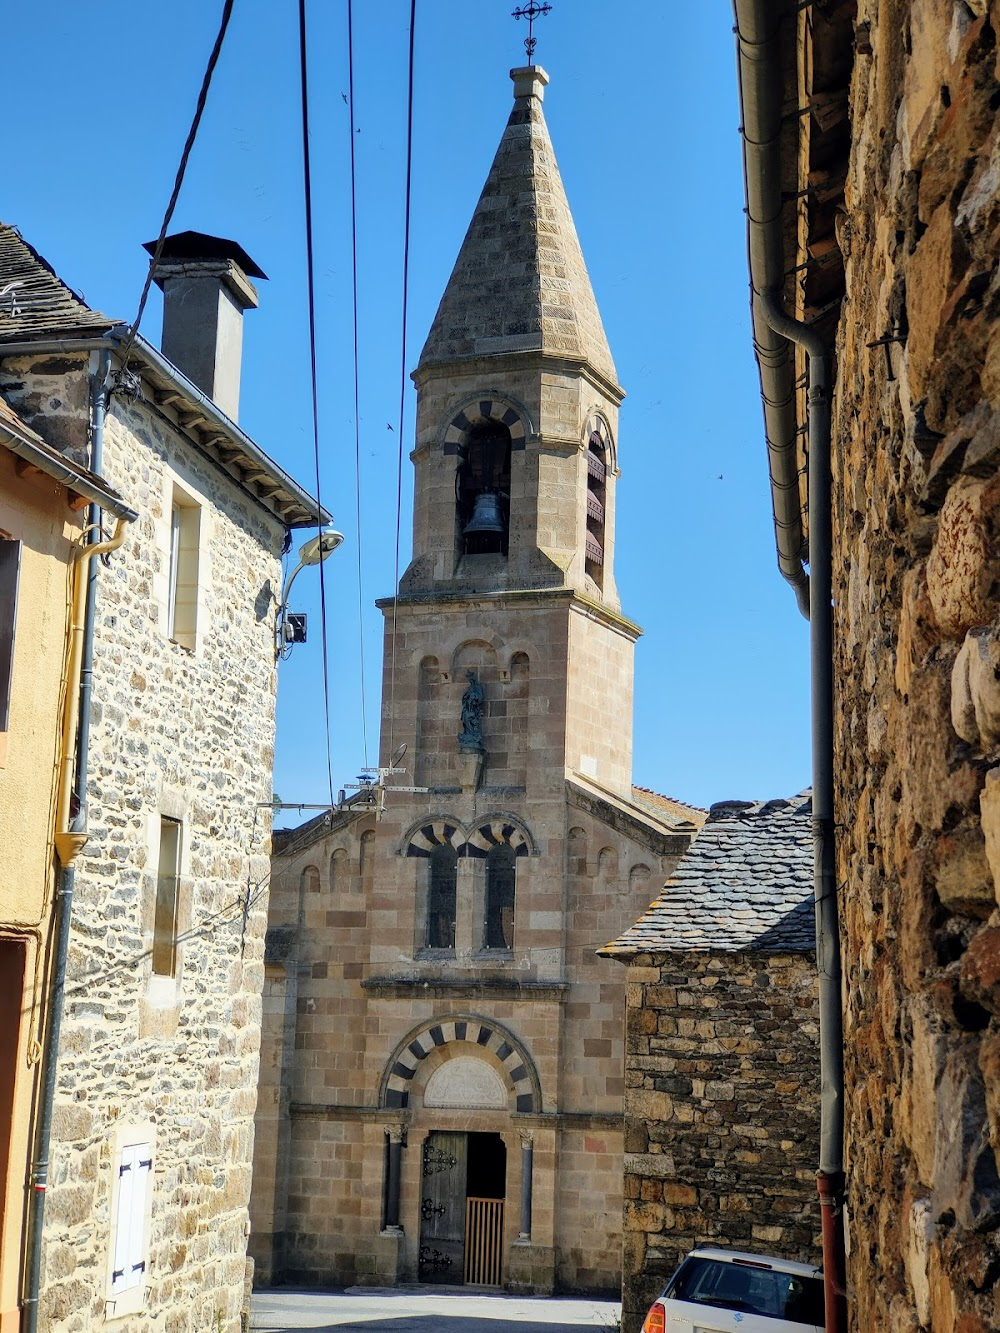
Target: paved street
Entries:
(419, 1310)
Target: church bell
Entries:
(486, 516)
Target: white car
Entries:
(724, 1291)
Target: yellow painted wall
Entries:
(34, 511)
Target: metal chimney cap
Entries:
(195, 245)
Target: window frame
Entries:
(184, 567)
(165, 937)
(10, 579)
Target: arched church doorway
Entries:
(464, 1187)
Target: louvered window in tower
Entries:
(597, 472)
(482, 490)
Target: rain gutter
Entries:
(775, 333)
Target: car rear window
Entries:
(763, 1291)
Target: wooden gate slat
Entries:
(484, 1241)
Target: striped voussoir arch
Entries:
(478, 1033)
(496, 833)
(435, 833)
(490, 833)
(487, 409)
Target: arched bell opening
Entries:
(482, 490)
(597, 474)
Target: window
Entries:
(482, 490)
(182, 573)
(10, 566)
(168, 873)
(442, 897)
(500, 878)
(132, 1192)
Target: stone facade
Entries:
(158, 1058)
(915, 462)
(418, 1057)
(916, 410)
(721, 1053)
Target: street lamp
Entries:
(290, 628)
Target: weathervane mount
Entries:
(531, 11)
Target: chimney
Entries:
(206, 286)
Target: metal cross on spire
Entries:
(531, 11)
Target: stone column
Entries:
(395, 1134)
(527, 1151)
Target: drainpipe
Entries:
(761, 88)
(830, 1179)
(70, 838)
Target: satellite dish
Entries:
(397, 754)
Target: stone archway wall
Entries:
(472, 1033)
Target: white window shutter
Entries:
(121, 1270)
(130, 1236)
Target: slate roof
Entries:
(34, 300)
(668, 805)
(520, 282)
(745, 884)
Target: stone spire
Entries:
(520, 282)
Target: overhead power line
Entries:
(310, 282)
(402, 368)
(357, 392)
(213, 60)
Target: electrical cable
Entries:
(311, 284)
(357, 391)
(213, 60)
(402, 371)
(241, 905)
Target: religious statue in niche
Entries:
(471, 736)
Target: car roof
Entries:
(772, 1261)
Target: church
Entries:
(442, 1075)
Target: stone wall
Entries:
(721, 1112)
(916, 449)
(187, 733)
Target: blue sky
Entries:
(643, 115)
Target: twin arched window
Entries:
(498, 885)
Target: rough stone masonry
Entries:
(917, 592)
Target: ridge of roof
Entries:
(520, 283)
(744, 885)
(659, 801)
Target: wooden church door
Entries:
(442, 1208)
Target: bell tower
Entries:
(515, 471)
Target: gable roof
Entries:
(520, 282)
(34, 300)
(745, 884)
(36, 307)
